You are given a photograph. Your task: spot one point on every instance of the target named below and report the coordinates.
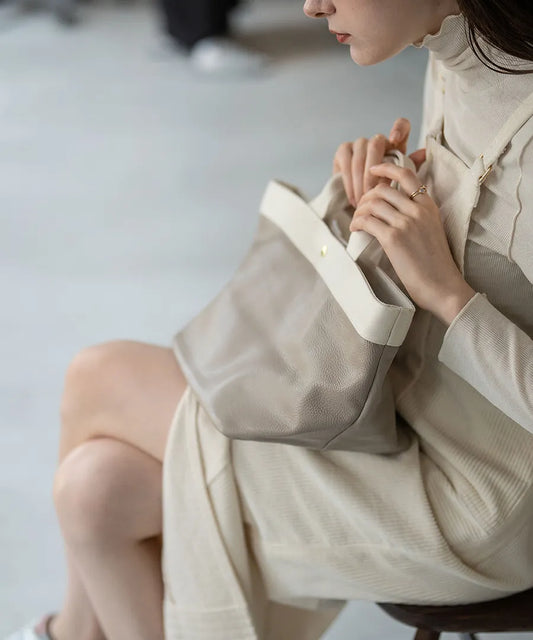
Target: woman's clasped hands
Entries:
(409, 230)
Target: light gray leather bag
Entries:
(296, 347)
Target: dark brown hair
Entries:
(506, 25)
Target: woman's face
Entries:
(379, 29)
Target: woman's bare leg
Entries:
(124, 390)
(77, 611)
(112, 525)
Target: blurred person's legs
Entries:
(117, 409)
(189, 22)
(66, 11)
(203, 29)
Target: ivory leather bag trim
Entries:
(372, 319)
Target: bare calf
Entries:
(117, 409)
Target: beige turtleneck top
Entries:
(490, 342)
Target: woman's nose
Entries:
(318, 8)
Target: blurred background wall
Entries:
(129, 192)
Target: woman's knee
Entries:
(106, 490)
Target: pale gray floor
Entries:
(128, 195)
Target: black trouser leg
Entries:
(188, 21)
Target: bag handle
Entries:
(333, 196)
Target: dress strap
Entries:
(483, 165)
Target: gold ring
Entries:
(421, 189)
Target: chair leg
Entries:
(427, 634)
(467, 636)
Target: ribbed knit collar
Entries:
(450, 44)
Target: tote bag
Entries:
(296, 347)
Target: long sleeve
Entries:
(494, 356)
(482, 345)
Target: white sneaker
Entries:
(224, 56)
(36, 630)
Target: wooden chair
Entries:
(514, 613)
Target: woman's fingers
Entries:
(407, 179)
(399, 134)
(342, 163)
(354, 159)
(377, 147)
(379, 208)
(418, 157)
(357, 169)
(387, 204)
(390, 205)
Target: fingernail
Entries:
(396, 136)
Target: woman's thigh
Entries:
(122, 389)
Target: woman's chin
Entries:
(366, 57)
(363, 58)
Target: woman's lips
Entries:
(341, 37)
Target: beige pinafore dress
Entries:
(264, 541)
